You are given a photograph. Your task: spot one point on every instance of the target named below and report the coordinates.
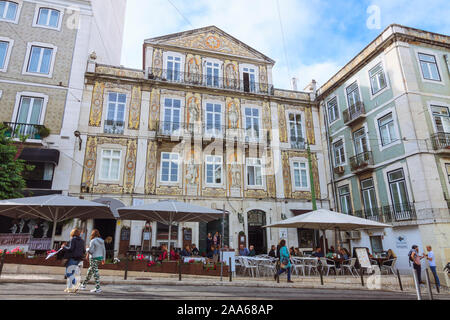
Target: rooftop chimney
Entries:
(294, 83)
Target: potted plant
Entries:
(42, 132)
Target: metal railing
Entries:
(210, 81)
(374, 214)
(361, 160)
(440, 141)
(298, 143)
(387, 214)
(16, 130)
(354, 112)
(114, 127)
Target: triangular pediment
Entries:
(210, 39)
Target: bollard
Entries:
(427, 277)
(2, 261)
(417, 285)
(126, 268)
(399, 280)
(362, 277)
(321, 275)
(179, 270)
(230, 273)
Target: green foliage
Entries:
(11, 180)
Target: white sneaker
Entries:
(96, 290)
(82, 287)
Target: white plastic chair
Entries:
(389, 268)
(251, 266)
(312, 265)
(297, 263)
(350, 266)
(327, 265)
(268, 268)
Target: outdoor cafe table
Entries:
(380, 260)
(197, 259)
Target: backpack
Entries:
(410, 255)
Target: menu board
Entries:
(363, 257)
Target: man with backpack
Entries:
(415, 259)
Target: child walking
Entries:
(97, 254)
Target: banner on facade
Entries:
(14, 239)
(401, 242)
(43, 244)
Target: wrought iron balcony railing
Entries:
(389, 214)
(114, 127)
(361, 161)
(209, 81)
(374, 214)
(441, 141)
(17, 130)
(354, 112)
(298, 143)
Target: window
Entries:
(369, 197)
(399, 194)
(377, 79)
(353, 94)
(345, 199)
(173, 68)
(48, 18)
(40, 60)
(212, 74)
(115, 121)
(169, 167)
(333, 111)
(441, 118)
(339, 153)
(213, 167)
(4, 46)
(254, 172)
(172, 114)
(429, 67)
(40, 177)
(295, 127)
(300, 174)
(213, 119)
(387, 130)
(376, 244)
(110, 167)
(360, 140)
(249, 77)
(29, 115)
(8, 10)
(252, 123)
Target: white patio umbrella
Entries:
(324, 219)
(54, 208)
(169, 211)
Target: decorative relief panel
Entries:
(193, 69)
(151, 170)
(130, 167)
(90, 161)
(286, 174)
(154, 109)
(135, 108)
(291, 94)
(95, 117)
(169, 191)
(263, 78)
(194, 107)
(310, 126)
(255, 194)
(282, 127)
(119, 72)
(233, 114)
(267, 119)
(214, 192)
(231, 74)
(157, 62)
(192, 174)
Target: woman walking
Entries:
(97, 254)
(74, 254)
(285, 262)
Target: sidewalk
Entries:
(38, 274)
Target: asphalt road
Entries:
(39, 291)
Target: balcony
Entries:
(441, 142)
(373, 214)
(114, 127)
(354, 113)
(389, 214)
(209, 81)
(297, 143)
(339, 170)
(362, 162)
(31, 131)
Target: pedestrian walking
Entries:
(73, 254)
(415, 259)
(285, 261)
(432, 263)
(97, 254)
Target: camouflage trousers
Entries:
(93, 271)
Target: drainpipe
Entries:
(330, 156)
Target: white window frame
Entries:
(396, 128)
(248, 164)
(244, 121)
(438, 65)
(348, 84)
(182, 108)
(204, 66)
(292, 164)
(348, 185)
(106, 108)
(28, 56)
(337, 107)
(216, 160)
(366, 132)
(341, 164)
(302, 123)
(8, 52)
(182, 57)
(37, 13)
(430, 104)
(394, 167)
(242, 66)
(19, 9)
(120, 158)
(222, 118)
(19, 96)
(179, 170)
(386, 77)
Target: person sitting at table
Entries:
(194, 250)
(173, 254)
(211, 252)
(318, 253)
(243, 251)
(252, 251)
(272, 252)
(186, 251)
(297, 252)
(330, 253)
(345, 254)
(163, 255)
(390, 256)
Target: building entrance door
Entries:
(107, 229)
(257, 237)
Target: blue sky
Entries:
(320, 36)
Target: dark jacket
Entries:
(195, 252)
(75, 250)
(185, 253)
(272, 254)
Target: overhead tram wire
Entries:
(283, 39)
(180, 13)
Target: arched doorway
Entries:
(257, 237)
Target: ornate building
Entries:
(200, 123)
